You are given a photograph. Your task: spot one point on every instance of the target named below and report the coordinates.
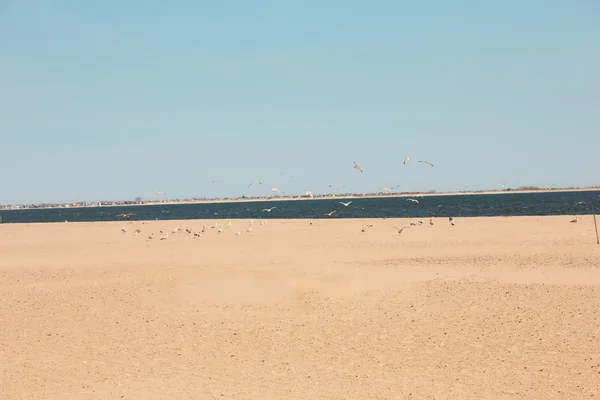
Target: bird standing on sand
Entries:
(123, 229)
(357, 167)
(575, 220)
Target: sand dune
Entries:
(489, 308)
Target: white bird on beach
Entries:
(123, 229)
(413, 200)
(165, 237)
(431, 221)
(345, 204)
(575, 220)
(238, 233)
(268, 209)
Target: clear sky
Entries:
(109, 100)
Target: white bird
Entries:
(123, 229)
(426, 162)
(345, 204)
(406, 160)
(413, 200)
(228, 224)
(137, 231)
(161, 193)
(330, 213)
(431, 221)
(357, 167)
(215, 225)
(309, 194)
(165, 237)
(255, 183)
(249, 229)
(220, 230)
(268, 209)
(238, 233)
(575, 220)
(276, 190)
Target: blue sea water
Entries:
(478, 205)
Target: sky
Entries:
(111, 100)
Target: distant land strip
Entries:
(242, 199)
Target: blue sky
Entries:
(112, 100)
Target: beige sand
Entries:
(492, 308)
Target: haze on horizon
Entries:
(111, 100)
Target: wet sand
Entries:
(502, 308)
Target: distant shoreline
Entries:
(323, 197)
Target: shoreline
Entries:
(324, 197)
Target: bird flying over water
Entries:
(426, 162)
(413, 200)
(268, 209)
(356, 166)
(345, 204)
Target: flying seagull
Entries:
(345, 204)
(406, 160)
(413, 200)
(268, 209)
(426, 162)
(276, 190)
(255, 183)
(330, 213)
(401, 229)
(356, 166)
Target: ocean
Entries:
(476, 205)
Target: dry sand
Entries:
(492, 308)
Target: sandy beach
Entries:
(491, 308)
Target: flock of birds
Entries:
(308, 192)
(195, 234)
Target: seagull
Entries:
(165, 237)
(125, 216)
(309, 194)
(330, 213)
(161, 193)
(268, 209)
(406, 160)
(431, 221)
(356, 166)
(276, 190)
(575, 220)
(255, 183)
(413, 200)
(137, 231)
(338, 187)
(151, 236)
(238, 233)
(345, 204)
(401, 229)
(427, 162)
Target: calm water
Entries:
(513, 204)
